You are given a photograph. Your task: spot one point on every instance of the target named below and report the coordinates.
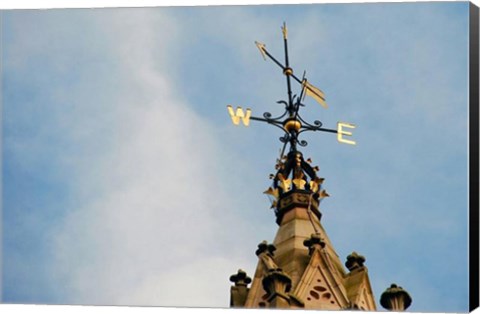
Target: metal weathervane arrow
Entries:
(290, 121)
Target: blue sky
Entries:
(122, 172)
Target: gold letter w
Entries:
(239, 114)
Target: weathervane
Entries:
(290, 121)
(293, 172)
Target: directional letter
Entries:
(236, 116)
(341, 132)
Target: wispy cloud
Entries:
(146, 200)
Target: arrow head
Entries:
(261, 47)
(284, 30)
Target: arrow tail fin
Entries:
(314, 92)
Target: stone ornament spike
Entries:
(265, 253)
(264, 247)
(280, 277)
(354, 261)
(277, 284)
(240, 278)
(238, 292)
(395, 299)
(314, 242)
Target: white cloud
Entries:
(150, 204)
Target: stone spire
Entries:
(301, 269)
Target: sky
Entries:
(125, 182)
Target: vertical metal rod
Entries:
(288, 70)
(297, 106)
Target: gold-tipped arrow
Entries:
(284, 30)
(261, 47)
(307, 88)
